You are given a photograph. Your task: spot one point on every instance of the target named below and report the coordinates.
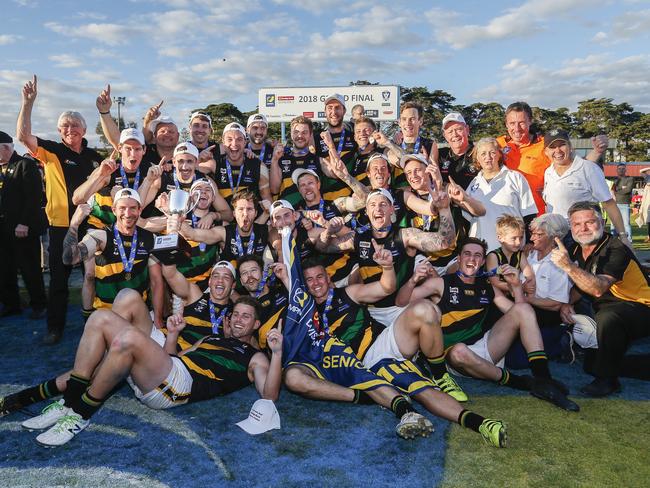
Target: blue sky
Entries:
(551, 53)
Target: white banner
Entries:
(283, 104)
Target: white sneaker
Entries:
(48, 417)
(63, 431)
(412, 424)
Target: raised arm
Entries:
(24, 123)
(152, 114)
(331, 243)
(109, 127)
(275, 176)
(97, 180)
(265, 374)
(188, 292)
(387, 284)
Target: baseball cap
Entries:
(377, 156)
(235, 126)
(163, 119)
(409, 157)
(279, 205)
(132, 133)
(199, 182)
(295, 176)
(262, 418)
(256, 118)
(335, 97)
(550, 136)
(5, 138)
(227, 265)
(201, 114)
(382, 193)
(127, 193)
(186, 148)
(453, 117)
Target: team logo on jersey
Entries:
(474, 186)
(445, 164)
(71, 163)
(453, 295)
(200, 305)
(469, 293)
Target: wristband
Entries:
(104, 113)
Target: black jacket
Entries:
(21, 196)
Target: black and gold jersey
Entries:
(289, 162)
(198, 320)
(415, 147)
(333, 188)
(233, 249)
(273, 305)
(202, 257)
(243, 177)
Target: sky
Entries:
(191, 53)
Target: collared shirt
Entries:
(550, 281)
(582, 181)
(507, 193)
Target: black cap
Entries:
(553, 135)
(5, 138)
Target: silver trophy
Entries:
(173, 248)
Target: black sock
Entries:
(85, 313)
(538, 363)
(76, 387)
(400, 405)
(88, 405)
(29, 396)
(362, 398)
(437, 366)
(514, 381)
(470, 420)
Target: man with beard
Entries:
(337, 140)
(364, 128)
(200, 132)
(67, 165)
(287, 160)
(403, 243)
(475, 345)
(257, 128)
(243, 237)
(456, 160)
(236, 171)
(608, 274)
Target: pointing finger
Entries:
(559, 244)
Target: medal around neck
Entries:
(173, 248)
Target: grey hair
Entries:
(554, 225)
(584, 205)
(71, 114)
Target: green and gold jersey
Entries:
(198, 320)
(273, 305)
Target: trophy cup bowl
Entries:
(173, 248)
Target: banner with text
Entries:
(283, 104)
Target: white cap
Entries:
(335, 97)
(186, 148)
(199, 182)
(200, 114)
(225, 264)
(163, 119)
(409, 157)
(377, 156)
(262, 418)
(382, 193)
(280, 204)
(235, 126)
(127, 193)
(256, 118)
(295, 176)
(132, 133)
(584, 331)
(453, 117)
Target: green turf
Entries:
(605, 444)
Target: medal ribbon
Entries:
(125, 180)
(128, 264)
(328, 307)
(229, 171)
(195, 221)
(416, 147)
(240, 247)
(214, 320)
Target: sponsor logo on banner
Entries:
(387, 112)
(286, 99)
(270, 99)
(309, 115)
(385, 95)
(372, 113)
(321, 115)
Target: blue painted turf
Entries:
(320, 444)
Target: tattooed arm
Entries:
(429, 242)
(330, 242)
(74, 252)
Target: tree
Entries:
(222, 114)
(546, 119)
(600, 116)
(485, 119)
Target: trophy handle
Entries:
(196, 192)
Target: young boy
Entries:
(510, 234)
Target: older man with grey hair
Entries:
(67, 165)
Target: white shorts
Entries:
(173, 391)
(480, 348)
(384, 347)
(385, 315)
(157, 335)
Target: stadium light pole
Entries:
(120, 101)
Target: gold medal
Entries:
(127, 276)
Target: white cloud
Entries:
(6, 39)
(625, 27)
(522, 21)
(111, 34)
(65, 61)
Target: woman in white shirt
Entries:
(500, 190)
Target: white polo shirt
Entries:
(582, 181)
(507, 193)
(550, 281)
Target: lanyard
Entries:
(262, 151)
(125, 180)
(177, 183)
(265, 276)
(416, 148)
(251, 242)
(341, 142)
(128, 264)
(328, 307)
(195, 221)
(216, 321)
(229, 171)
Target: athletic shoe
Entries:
(494, 432)
(48, 417)
(412, 424)
(448, 385)
(545, 389)
(63, 431)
